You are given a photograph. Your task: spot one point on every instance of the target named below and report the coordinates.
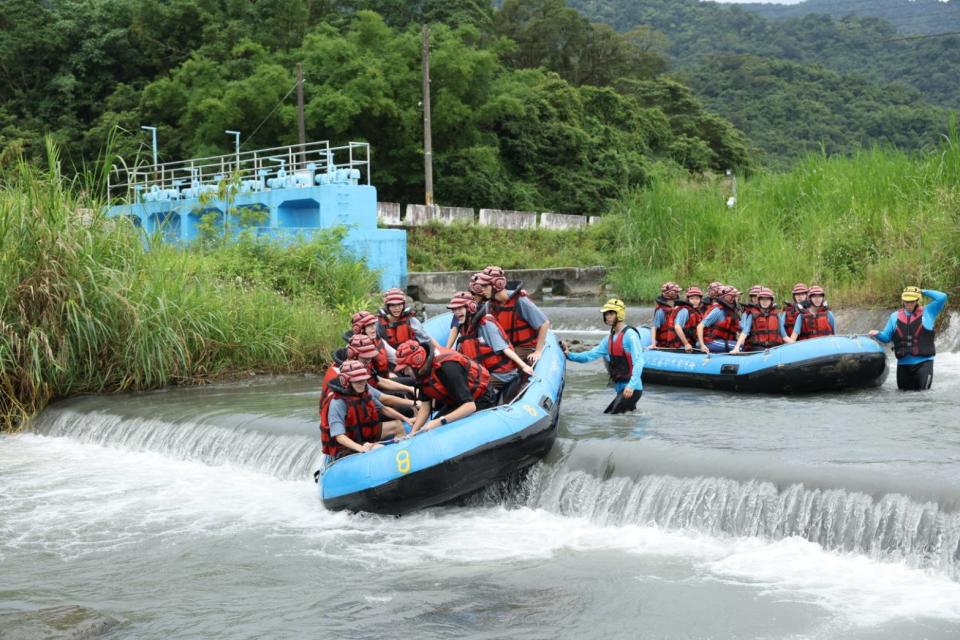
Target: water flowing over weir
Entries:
(587, 479)
(889, 528)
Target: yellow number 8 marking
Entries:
(403, 461)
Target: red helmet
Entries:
(353, 371)
(670, 289)
(361, 346)
(800, 288)
(411, 353)
(755, 290)
(463, 299)
(361, 319)
(728, 292)
(694, 291)
(816, 290)
(475, 287)
(714, 287)
(493, 276)
(766, 292)
(394, 296)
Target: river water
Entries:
(191, 513)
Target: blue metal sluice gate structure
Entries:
(296, 190)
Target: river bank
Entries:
(89, 306)
(862, 226)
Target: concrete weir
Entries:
(438, 286)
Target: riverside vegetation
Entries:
(85, 307)
(863, 226)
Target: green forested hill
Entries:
(512, 127)
(908, 16)
(805, 82)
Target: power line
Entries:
(277, 106)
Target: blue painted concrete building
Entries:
(296, 190)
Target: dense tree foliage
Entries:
(908, 16)
(803, 82)
(511, 127)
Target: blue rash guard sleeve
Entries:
(932, 310)
(599, 351)
(746, 323)
(712, 318)
(832, 321)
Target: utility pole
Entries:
(301, 123)
(427, 139)
(153, 146)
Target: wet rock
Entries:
(56, 623)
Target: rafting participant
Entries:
(482, 339)
(526, 326)
(761, 329)
(815, 319)
(364, 322)
(689, 317)
(718, 331)
(713, 291)
(791, 310)
(665, 334)
(350, 414)
(397, 322)
(623, 353)
(449, 382)
(753, 293)
(911, 330)
(362, 348)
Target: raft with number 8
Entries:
(829, 363)
(439, 466)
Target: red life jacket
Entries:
(380, 365)
(471, 346)
(694, 316)
(790, 313)
(362, 421)
(667, 337)
(764, 330)
(477, 376)
(332, 372)
(815, 324)
(727, 329)
(508, 316)
(394, 331)
(621, 362)
(911, 338)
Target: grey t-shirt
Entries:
(489, 336)
(527, 310)
(337, 412)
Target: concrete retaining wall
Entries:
(508, 219)
(421, 214)
(438, 286)
(561, 221)
(388, 214)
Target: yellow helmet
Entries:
(911, 294)
(615, 304)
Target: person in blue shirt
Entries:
(910, 328)
(623, 352)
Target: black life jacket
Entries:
(911, 338)
(620, 366)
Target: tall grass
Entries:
(863, 226)
(84, 307)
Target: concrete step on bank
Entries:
(439, 286)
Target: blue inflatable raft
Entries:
(821, 364)
(451, 461)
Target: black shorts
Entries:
(915, 377)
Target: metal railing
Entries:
(289, 167)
